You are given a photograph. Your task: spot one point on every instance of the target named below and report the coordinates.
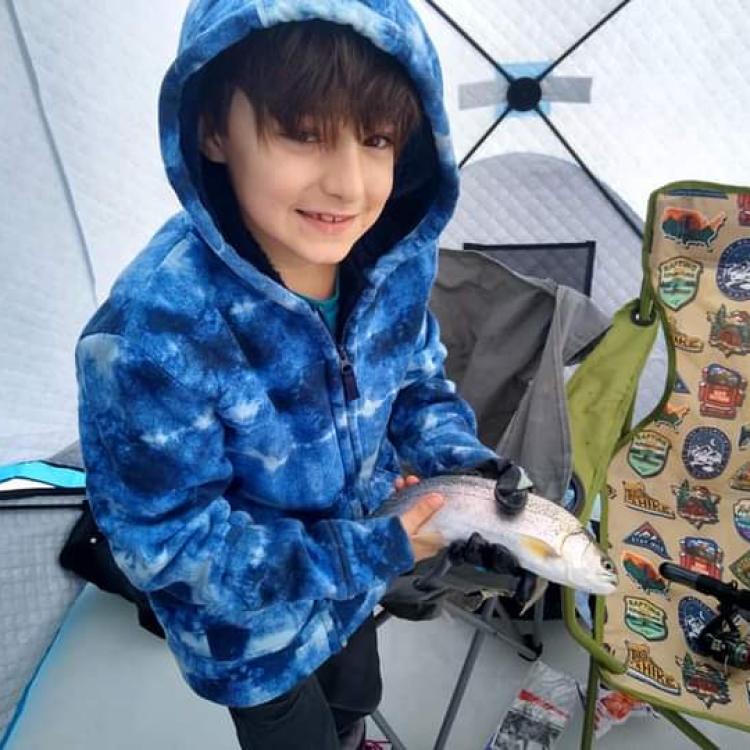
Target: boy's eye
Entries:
(303, 136)
(382, 141)
(304, 132)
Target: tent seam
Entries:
(57, 157)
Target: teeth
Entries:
(330, 218)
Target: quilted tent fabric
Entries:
(82, 80)
(525, 198)
(83, 188)
(678, 485)
(36, 591)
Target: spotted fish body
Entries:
(546, 539)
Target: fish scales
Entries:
(470, 506)
(546, 539)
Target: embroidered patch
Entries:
(672, 416)
(693, 615)
(744, 439)
(742, 518)
(697, 505)
(704, 681)
(648, 453)
(733, 271)
(730, 333)
(642, 667)
(741, 569)
(699, 192)
(682, 340)
(679, 385)
(644, 573)
(686, 226)
(721, 392)
(678, 281)
(743, 209)
(706, 452)
(645, 618)
(741, 478)
(636, 497)
(648, 537)
(702, 555)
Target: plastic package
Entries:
(539, 713)
(614, 707)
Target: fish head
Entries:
(588, 568)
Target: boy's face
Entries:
(283, 183)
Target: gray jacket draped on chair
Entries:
(509, 338)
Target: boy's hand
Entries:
(400, 482)
(426, 544)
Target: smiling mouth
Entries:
(326, 217)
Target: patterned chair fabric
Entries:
(678, 485)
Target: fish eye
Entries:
(608, 565)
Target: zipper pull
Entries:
(348, 376)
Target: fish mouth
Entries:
(605, 586)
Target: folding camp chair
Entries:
(674, 487)
(476, 597)
(522, 330)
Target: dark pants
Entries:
(326, 710)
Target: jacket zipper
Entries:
(347, 375)
(351, 392)
(346, 368)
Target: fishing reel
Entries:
(720, 638)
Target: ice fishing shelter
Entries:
(564, 116)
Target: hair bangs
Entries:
(314, 73)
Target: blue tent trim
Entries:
(52, 477)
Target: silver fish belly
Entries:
(546, 539)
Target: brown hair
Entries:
(315, 69)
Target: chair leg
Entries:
(687, 729)
(387, 730)
(463, 678)
(592, 693)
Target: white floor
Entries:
(110, 685)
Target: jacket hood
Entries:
(425, 181)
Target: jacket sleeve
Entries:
(432, 428)
(156, 470)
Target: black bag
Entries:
(87, 554)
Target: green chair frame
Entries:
(600, 418)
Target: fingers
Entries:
(400, 482)
(512, 503)
(430, 538)
(427, 544)
(421, 512)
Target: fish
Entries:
(546, 539)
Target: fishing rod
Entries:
(720, 638)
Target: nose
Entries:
(342, 174)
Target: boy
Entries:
(261, 369)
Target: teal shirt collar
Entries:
(328, 307)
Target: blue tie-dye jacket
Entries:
(234, 450)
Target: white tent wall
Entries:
(669, 85)
(660, 92)
(83, 189)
